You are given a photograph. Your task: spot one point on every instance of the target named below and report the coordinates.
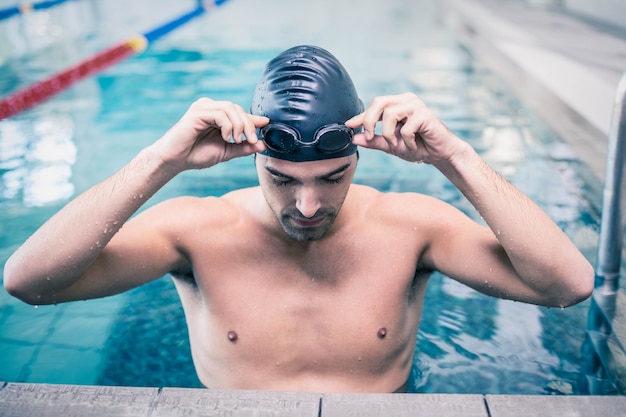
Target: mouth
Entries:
(304, 222)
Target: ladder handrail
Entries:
(611, 226)
(597, 357)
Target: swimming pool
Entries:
(468, 343)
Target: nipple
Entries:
(382, 332)
(232, 336)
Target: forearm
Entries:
(539, 251)
(535, 259)
(69, 242)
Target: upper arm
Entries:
(470, 253)
(144, 249)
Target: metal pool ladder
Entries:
(604, 353)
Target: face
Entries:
(305, 197)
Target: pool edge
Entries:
(21, 399)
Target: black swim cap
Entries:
(306, 87)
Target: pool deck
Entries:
(564, 67)
(34, 400)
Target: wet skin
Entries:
(306, 282)
(312, 303)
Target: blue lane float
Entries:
(23, 8)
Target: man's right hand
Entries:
(210, 132)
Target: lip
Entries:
(307, 222)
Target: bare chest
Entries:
(329, 311)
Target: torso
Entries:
(339, 314)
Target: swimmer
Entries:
(306, 282)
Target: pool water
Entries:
(468, 342)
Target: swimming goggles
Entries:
(330, 138)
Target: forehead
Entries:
(304, 169)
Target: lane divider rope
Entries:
(28, 97)
(23, 8)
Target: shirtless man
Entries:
(306, 282)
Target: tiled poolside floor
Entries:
(20, 400)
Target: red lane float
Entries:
(36, 93)
(28, 97)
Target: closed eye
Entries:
(335, 177)
(281, 182)
(333, 180)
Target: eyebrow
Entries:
(320, 177)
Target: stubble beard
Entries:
(306, 234)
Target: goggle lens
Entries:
(334, 139)
(279, 140)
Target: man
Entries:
(306, 282)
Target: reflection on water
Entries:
(468, 343)
(472, 343)
(36, 159)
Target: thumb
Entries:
(378, 142)
(237, 150)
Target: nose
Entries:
(307, 201)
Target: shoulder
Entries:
(190, 211)
(404, 207)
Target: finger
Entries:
(410, 131)
(224, 123)
(373, 115)
(236, 115)
(252, 123)
(355, 121)
(392, 118)
(247, 127)
(259, 121)
(246, 124)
